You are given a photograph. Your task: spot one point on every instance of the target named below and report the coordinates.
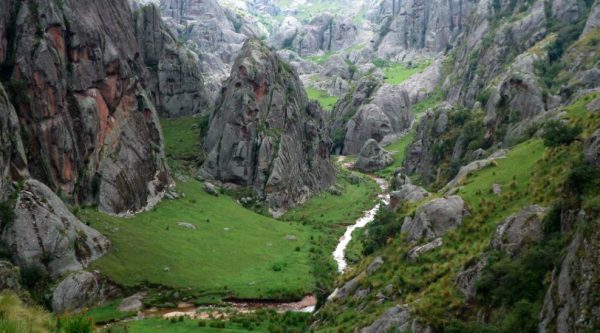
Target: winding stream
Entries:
(339, 255)
(305, 305)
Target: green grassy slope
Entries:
(531, 174)
(233, 250)
(327, 102)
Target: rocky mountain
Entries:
(88, 127)
(77, 126)
(215, 33)
(175, 79)
(409, 28)
(370, 111)
(264, 133)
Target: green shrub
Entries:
(557, 133)
(33, 276)
(75, 324)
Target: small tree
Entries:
(557, 133)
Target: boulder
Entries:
(132, 303)
(347, 289)
(399, 180)
(265, 135)
(375, 265)
(10, 276)
(46, 234)
(519, 230)
(80, 290)
(397, 318)
(466, 170)
(372, 157)
(387, 114)
(407, 193)
(591, 149)
(211, 189)
(435, 218)
(418, 251)
(466, 279)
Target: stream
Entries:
(339, 255)
(307, 304)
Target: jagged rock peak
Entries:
(264, 133)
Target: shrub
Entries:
(75, 324)
(33, 276)
(557, 133)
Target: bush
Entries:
(557, 133)
(33, 276)
(75, 324)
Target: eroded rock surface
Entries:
(264, 134)
(435, 218)
(81, 104)
(46, 234)
(80, 290)
(175, 74)
(372, 157)
(519, 230)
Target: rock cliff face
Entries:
(214, 33)
(572, 303)
(12, 152)
(175, 79)
(265, 135)
(370, 111)
(88, 127)
(427, 26)
(323, 33)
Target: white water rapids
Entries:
(339, 255)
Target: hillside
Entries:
(366, 166)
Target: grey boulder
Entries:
(519, 230)
(372, 157)
(79, 290)
(46, 234)
(435, 219)
(398, 319)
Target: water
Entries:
(339, 255)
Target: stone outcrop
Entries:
(519, 230)
(466, 279)
(426, 26)
(264, 134)
(75, 71)
(591, 149)
(372, 157)
(370, 111)
(214, 33)
(417, 251)
(12, 153)
(80, 290)
(572, 303)
(466, 170)
(323, 33)
(10, 276)
(435, 219)
(175, 78)
(407, 193)
(46, 234)
(397, 318)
